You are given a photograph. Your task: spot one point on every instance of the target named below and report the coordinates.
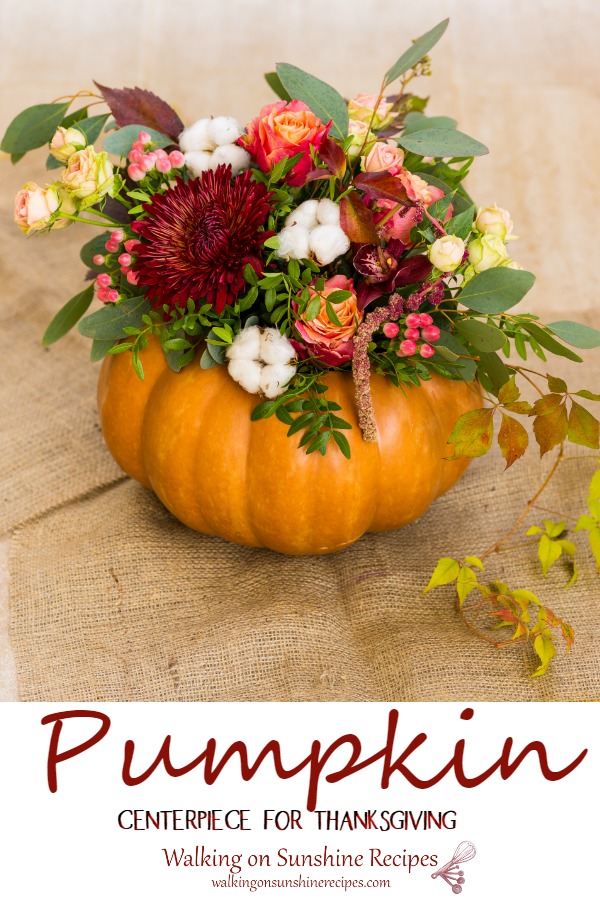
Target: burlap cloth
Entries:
(112, 599)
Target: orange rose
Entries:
(321, 338)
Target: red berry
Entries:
(117, 235)
(425, 319)
(103, 280)
(412, 334)
(431, 334)
(407, 348)
(391, 329)
(426, 351)
(125, 259)
(112, 296)
(112, 246)
(413, 320)
(103, 295)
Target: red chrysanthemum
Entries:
(198, 237)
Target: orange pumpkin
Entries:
(189, 437)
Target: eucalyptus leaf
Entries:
(416, 52)
(92, 127)
(465, 368)
(33, 127)
(495, 369)
(548, 342)
(93, 247)
(107, 324)
(576, 334)
(496, 290)
(321, 98)
(68, 316)
(207, 361)
(416, 121)
(274, 82)
(120, 142)
(100, 349)
(483, 337)
(52, 162)
(442, 142)
(459, 203)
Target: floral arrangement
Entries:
(325, 234)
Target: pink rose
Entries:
(384, 158)
(362, 106)
(401, 223)
(418, 190)
(34, 207)
(283, 130)
(321, 338)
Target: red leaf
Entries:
(135, 106)
(334, 157)
(512, 439)
(382, 185)
(356, 220)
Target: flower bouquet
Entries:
(306, 322)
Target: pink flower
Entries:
(321, 338)
(361, 109)
(402, 222)
(418, 190)
(283, 130)
(384, 158)
(34, 207)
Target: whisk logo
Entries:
(452, 871)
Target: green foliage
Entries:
(68, 316)
(110, 322)
(416, 121)
(32, 128)
(416, 52)
(591, 523)
(321, 98)
(274, 82)
(473, 433)
(576, 334)
(442, 143)
(496, 290)
(119, 142)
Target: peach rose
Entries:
(65, 142)
(321, 338)
(384, 158)
(88, 175)
(361, 109)
(418, 189)
(282, 130)
(35, 206)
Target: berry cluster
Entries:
(143, 158)
(104, 282)
(428, 334)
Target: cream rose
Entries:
(65, 142)
(88, 175)
(446, 253)
(361, 107)
(494, 220)
(486, 252)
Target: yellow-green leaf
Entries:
(465, 582)
(553, 529)
(472, 434)
(584, 428)
(557, 384)
(446, 571)
(534, 529)
(548, 552)
(545, 649)
(594, 539)
(474, 561)
(509, 392)
(568, 547)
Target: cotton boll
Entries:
(231, 155)
(196, 137)
(246, 344)
(293, 243)
(304, 215)
(247, 373)
(223, 130)
(327, 242)
(198, 161)
(275, 348)
(328, 212)
(274, 379)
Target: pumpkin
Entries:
(188, 436)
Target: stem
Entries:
(531, 503)
(553, 512)
(64, 215)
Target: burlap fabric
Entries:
(112, 599)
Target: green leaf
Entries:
(137, 366)
(545, 649)
(442, 142)
(557, 385)
(445, 572)
(546, 340)
(96, 245)
(68, 316)
(486, 338)
(100, 349)
(513, 439)
(343, 443)
(331, 313)
(465, 582)
(51, 162)
(207, 361)
(416, 52)
(320, 97)
(416, 121)
(576, 334)
(459, 202)
(472, 435)
(274, 82)
(584, 428)
(496, 290)
(587, 395)
(119, 142)
(33, 127)
(107, 323)
(92, 127)
(594, 539)
(494, 368)
(313, 308)
(474, 561)
(461, 224)
(263, 410)
(466, 368)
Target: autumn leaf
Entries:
(509, 392)
(557, 384)
(513, 440)
(472, 435)
(356, 220)
(133, 106)
(334, 157)
(550, 428)
(382, 185)
(583, 428)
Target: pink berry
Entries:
(425, 319)
(112, 295)
(426, 351)
(112, 246)
(117, 235)
(103, 295)
(98, 259)
(407, 348)
(137, 145)
(144, 137)
(103, 280)
(134, 156)
(163, 165)
(148, 162)
(132, 245)
(412, 334)
(160, 154)
(177, 159)
(125, 259)
(135, 172)
(431, 334)
(413, 320)
(391, 329)
(132, 277)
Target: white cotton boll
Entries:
(274, 379)
(293, 243)
(304, 215)
(328, 212)
(231, 155)
(246, 344)
(196, 137)
(198, 161)
(327, 242)
(247, 373)
(275, 348)
(223, 130)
